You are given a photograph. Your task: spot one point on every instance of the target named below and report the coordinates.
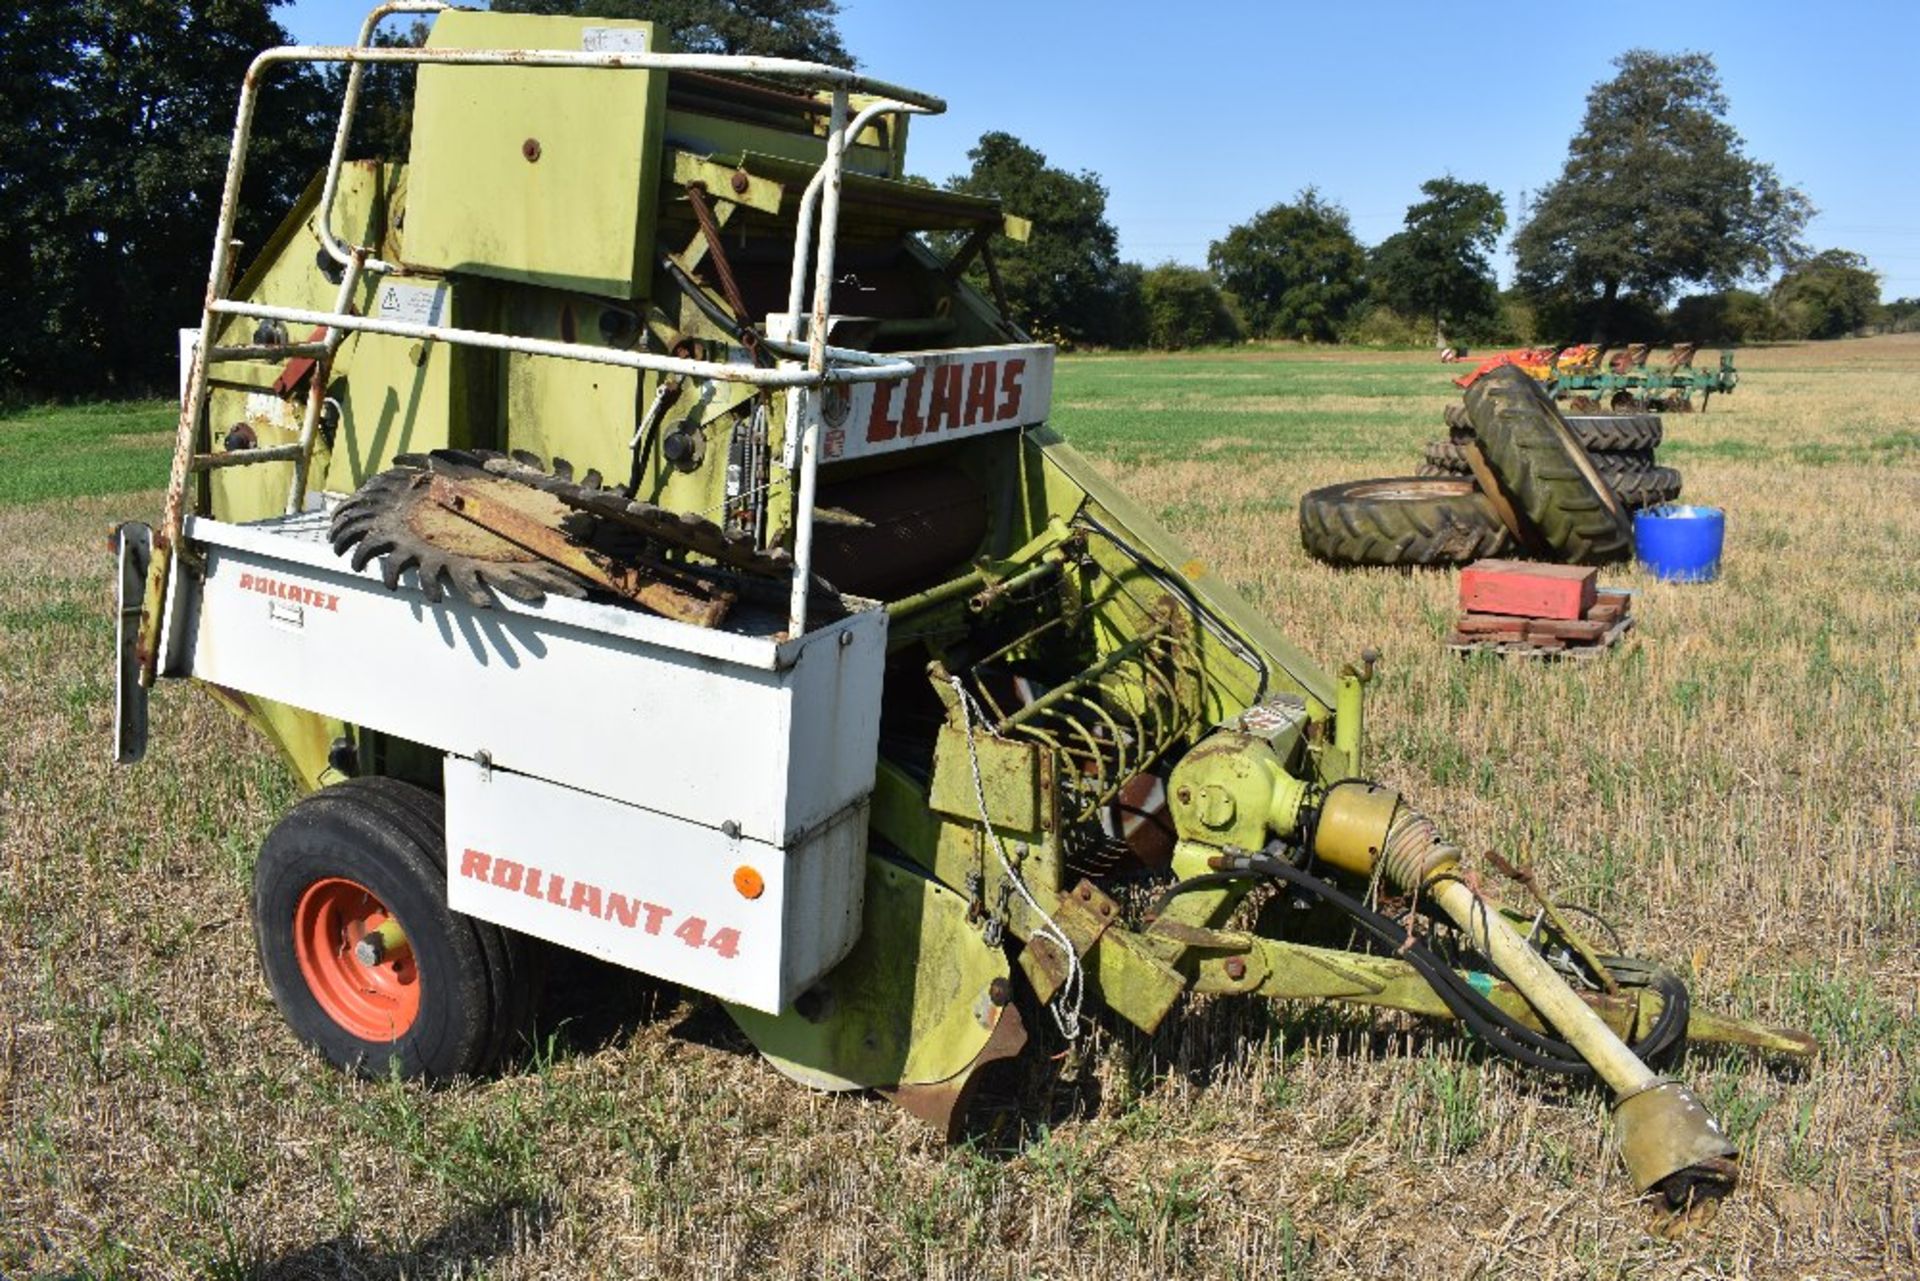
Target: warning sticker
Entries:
(410, 303)
(614, 40)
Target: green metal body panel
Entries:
(541, 176)
(910, 1005)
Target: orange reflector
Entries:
(748, 882)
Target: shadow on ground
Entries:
(459, 1248)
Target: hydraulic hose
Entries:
(1501, 1031)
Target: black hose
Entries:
(1500, 1030)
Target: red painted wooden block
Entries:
(1517, 588)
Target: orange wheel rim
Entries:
(374, 1002)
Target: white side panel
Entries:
(654, 893)
(776, 750)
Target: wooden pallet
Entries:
(1609, 619)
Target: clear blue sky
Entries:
(1199, 115)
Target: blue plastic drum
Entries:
(1680, 543)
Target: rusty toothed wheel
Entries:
(364, 958)
(1401, 521)
(1546, 471)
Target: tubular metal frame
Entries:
(822, 364)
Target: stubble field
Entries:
(1738, 790)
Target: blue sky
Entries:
(1197, 116)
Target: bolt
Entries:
(531, 150)
(999, 991)
(739, 182)
(1236, 968)
(369, 950)
(730, 829)
(1184, 796)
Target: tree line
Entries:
(115, 119)
(1655, 222)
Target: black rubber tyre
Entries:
(386, 839)
(1615, 433)
(1552, 482)
(1647, 488)
(1447, 458)
(1456, 419)
(1401, 521)
(517, 963)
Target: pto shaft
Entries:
(1667, 1139)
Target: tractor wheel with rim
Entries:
(1615, 433)
(446, 1001)
(1401, 521)
(1552, 482)
(1647, 488)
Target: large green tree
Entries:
(1439, 267)
(1657, 190)
(1183, 307)
(774, 28)
(1067, 281)
(1295, 268)
(115, 121)
(1829, 295)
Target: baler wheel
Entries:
(1401, 521)
(342, 862)
(1552, 482)
(376, 1002)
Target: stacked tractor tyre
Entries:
(1622, 447)
(1563, 488)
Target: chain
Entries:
(1067, 1001)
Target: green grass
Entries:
(1142, 408)
(70, 451)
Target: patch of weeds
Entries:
(1907, 1124)
(1556, 1160)
(1172, 1205)
(177, 1055)
(1843, 1009)
(1348, 1128)
(1805, 1158)
(1737, 1110)
(1453, 1117)
(1295, 1255)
